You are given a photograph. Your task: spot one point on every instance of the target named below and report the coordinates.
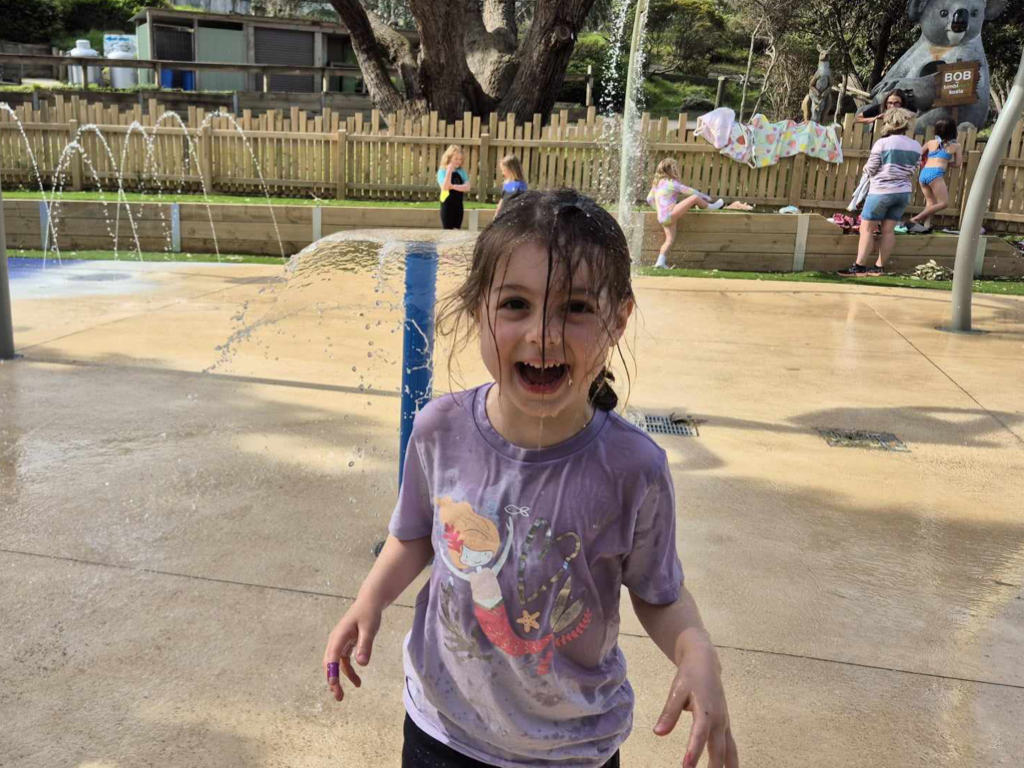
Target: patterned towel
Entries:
(762, 143)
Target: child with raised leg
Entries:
(664, 197)
(537, 503)
(940, 154)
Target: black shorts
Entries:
(422, 751)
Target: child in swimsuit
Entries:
(664, 197)
(940, 154)
(514, 180)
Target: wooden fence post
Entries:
(76, 158)
(796, 181)
(973, 158)
(485, 171)
(803, 225)
(206, 156)
(175, 228)
(339, 162)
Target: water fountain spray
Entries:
(632, 141)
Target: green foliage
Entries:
(105, 15)
(1003, 38)
(30, 21)
(594, 50)
(682, 35)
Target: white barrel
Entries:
(122, 77)
(84, 49)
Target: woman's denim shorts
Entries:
(882, 207)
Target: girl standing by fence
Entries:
(940, 154)
(537, 503)
(514, 180)
(664, 197)
(454, 185)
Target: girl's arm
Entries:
(447, 183)
(678, 631)
(399, 563)
(958, 157)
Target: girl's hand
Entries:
(355, 630)
(697, 688)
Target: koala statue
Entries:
(950, 32)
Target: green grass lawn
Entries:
(1003, 287)
(171, 197)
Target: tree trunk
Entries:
(543, 57)
(375, 72)
(882, 46)
(468, 57)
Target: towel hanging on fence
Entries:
(761, 143)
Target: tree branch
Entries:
(400, 54)
(544, 55)
(501, 15)
(366, 46)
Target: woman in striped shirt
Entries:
(891, 168)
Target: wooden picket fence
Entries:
(395, 157)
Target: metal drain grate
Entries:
(668, 425)
(856, 438)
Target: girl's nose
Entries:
(546, 334)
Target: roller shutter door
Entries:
(285, 46)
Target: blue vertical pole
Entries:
(418, 337)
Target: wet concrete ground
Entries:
(176, 544)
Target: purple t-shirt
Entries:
(513, 658)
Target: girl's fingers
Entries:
(346, 664)
(678, 698)
(732, 756)
(717, 748)
(699, 733)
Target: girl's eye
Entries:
(515, 304)
(580, 308)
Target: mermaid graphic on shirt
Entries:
(472, 542)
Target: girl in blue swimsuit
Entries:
(941, 153)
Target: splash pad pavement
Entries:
(196, 460)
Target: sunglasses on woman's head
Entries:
(894, 103)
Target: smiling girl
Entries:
(537, 503)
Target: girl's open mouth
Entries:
(542, 381)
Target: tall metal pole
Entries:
(6, 320)
(977, 202)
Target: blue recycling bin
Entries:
(188, 80)
(167, 78)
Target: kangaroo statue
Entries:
(818, 102)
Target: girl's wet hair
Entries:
(667, 169)
(512, 164)
(575, 231)
(946, 129)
